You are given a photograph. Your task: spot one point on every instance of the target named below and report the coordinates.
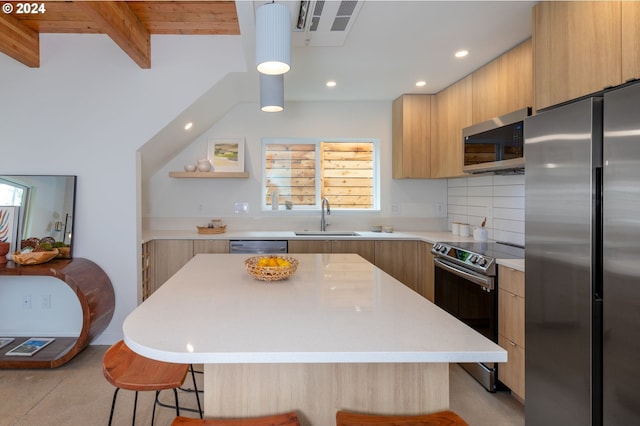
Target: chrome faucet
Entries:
(323, 222)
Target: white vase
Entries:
(204, 165)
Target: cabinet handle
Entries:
(514, 295)
(512, 344)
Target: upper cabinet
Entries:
(578, 48)
(504, 85)
(411, 136)
(451, 113)
(630, 40)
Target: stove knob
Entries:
(443, 249)
(473, 259)
(482, 262)
(437, 246)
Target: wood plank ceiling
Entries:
(129, 23)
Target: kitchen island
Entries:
(339, 334)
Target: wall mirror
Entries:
(46, 205)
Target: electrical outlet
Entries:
(440, 209)
(26, 302)
(395, 208)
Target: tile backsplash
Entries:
(498, 198)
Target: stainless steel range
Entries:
(466, 286)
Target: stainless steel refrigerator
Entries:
(582, 262)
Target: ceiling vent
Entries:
(324, 23)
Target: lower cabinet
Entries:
(210, 246)
(163, 258)
(364, 248)
(400, 259)
(511, 328)
(426, 285)
(408, 261)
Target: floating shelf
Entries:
(209, 175)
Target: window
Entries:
(304, 171)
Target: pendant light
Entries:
(271, 92)
(273, 39)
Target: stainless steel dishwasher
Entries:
(258, 246)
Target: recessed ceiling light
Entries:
(461, 53)
(188, 125)
(421, 83)
(331, 83)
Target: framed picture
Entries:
(9, 226)
(226, 154)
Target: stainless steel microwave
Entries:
(496, 144)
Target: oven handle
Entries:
(485, 282)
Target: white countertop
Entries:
(426, 236)
(336, 308)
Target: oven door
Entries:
(468, 296)
(471, 298)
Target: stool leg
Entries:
(153, 413)
(113, 405)
(135, 406)
(175, 394)
(195, 388)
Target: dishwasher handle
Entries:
(258, 246)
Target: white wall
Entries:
(85, 112)
(170, 203)
(498, 198)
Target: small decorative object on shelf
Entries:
(190, 168)
(271, 268)
(34, 257)
(214, 226)
(34, 251)
(204, 165)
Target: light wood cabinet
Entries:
(511, 328)
(399, 258)
(210, 246)
(451, 113)
(630, 40)
(503, 85)
(426, 286)
(411, 136)
(577, 49)
(364, 248)
(309, 246)
(169, 257)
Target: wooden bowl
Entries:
(34, 258)
(271, 273)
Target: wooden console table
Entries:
(95, 293)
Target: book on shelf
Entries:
(30, 346)
(4, 341)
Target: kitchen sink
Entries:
(327, 233)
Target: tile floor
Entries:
(78, 395)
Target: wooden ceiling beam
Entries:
(118, 21)
(19, 41)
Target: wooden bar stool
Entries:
(286, 419)
(128, 370)
(442, 418)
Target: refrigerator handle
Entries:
(598, 240)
